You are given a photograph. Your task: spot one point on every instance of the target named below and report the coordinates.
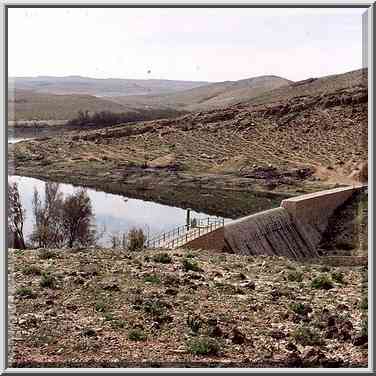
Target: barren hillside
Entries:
(99, 86)
(216, 95)
(29, 105)
(303, 143)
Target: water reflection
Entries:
(115, 213)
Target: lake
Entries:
(117, 214)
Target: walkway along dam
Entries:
(293, 230)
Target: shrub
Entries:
(137, 335)
(296, 276)
(194, 323)
(118, 324)
(204, 346)
(307, 336)
(31, 270)
(46, 254)
(322, 282)
(100, 307)
(155, 307)
(338, 277)
(163, 258)
(364, 303)
(191, 265)
(136, 239)
(152, 278)
(48, 280)
(298, 308)
(24, 292)
(108, 316)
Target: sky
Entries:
(184, 44)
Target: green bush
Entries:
(152, 278)
(322, 282)
(31, 270)
(194, 323)
(191, 265)
(137, 335)
(364, 303)
(163, 258)
(307, 336)
(118, 324)
(296, 276)
(24, 292)
(298, 308)
(204, 346)
(155, 307)
(108, 316)
(48, 280)
(100, 307)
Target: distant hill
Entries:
(99, 87)
(313, 86)
(210, 96)
(29, 105)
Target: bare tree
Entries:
(48, 229)
(16, 216)
(77, 219)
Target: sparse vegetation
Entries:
(163, 258)
(48, 280)
(298, 308)
(194, 323)
(32, 270)
(204, 346)
(137, 335)
(295, 276)
(182, 317)
(307, 336)
(152, 278)
(24, 292)
(191, 265)
(322, 282)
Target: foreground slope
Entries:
(112, 308)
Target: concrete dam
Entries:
(293, 230)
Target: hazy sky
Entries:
(186, 44)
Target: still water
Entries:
(114, 213)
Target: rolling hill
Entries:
(215, 95)
(99, 86)
(29, 105)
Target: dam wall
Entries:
(293, 230)
(313, 210)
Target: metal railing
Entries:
(185, 233)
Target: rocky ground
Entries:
(180, 308)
